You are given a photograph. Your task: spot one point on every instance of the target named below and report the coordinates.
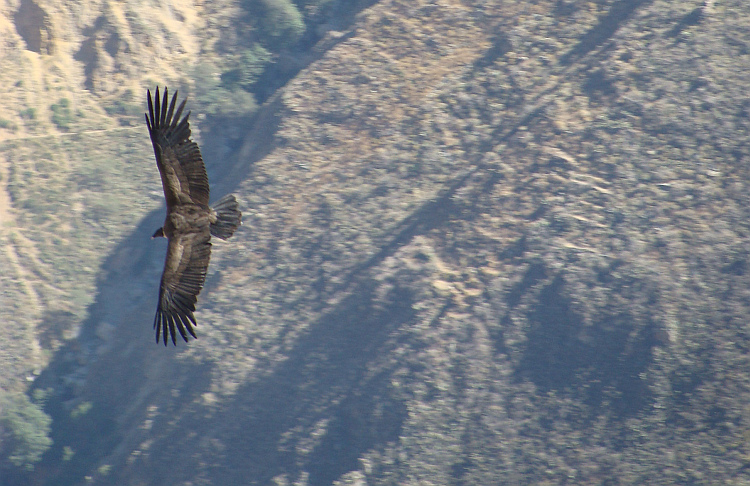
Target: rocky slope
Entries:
(485, 242)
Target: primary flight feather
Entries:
(190, 222)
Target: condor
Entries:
(190, 222)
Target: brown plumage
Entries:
(190, 222)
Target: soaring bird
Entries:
(190, 222)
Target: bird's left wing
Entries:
(184, 274)
(183, 173)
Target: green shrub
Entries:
(28, 113)
(82, 409)
(215, 99)
(281, 23)
(25, 429)
(61, 115)
(68, 453)
(120, 107)
(250, 64)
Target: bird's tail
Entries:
(228, 217)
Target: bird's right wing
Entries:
(184, 274)
(183, 174)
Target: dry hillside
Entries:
(484, 242)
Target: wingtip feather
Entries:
(170, 112)
(157, 109)
(164, 105)
(172, 330)
(177, 115)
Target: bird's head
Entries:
(158, 234)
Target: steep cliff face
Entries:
(485, 242)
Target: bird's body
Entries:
(190, 221)
(187, 218)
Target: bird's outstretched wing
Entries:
(183, 174)
(182, 280)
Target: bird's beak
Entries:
(158, 234)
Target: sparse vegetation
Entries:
(125, 108)
(28, 113)
(81, 409)
(8, 125)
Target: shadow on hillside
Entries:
(272, 21)
(608, 24)
(92, 385)
(597, 364)
(334, 380)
